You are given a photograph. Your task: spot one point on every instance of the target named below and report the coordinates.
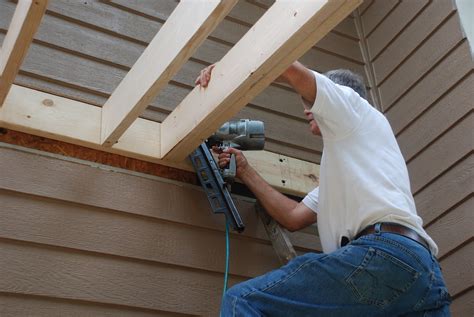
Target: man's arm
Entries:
(301, 79)
(290, 214)
(298, 76)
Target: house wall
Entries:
(423, 80)
(83, 239)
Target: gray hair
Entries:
(347, 78)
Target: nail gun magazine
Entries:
(241, 134)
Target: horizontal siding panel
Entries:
(393, 24)
(143, 196)
(13, 305)
(342, 46)
(415, 67)
(365, 6)
(433, 86)
(446, 191)
(410, 38)
(458, 268)
(52, 222)
(376, 13)
(231, 31)
(442, 115)
(454, 228)
(463, 305)
(443, 153)
(52, 272)
(347, 28)
(323, 62)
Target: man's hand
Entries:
(205, 76)
(240, 160)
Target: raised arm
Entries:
(298, 76)
(301, 79)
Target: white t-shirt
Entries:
(363, 176)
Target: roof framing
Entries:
(264, 52)
(251, 65)
(186, 28)
(23, 26)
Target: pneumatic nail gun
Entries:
(241, 134)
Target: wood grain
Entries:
(432, 87)
(442, 115)
(247, 14)
(54, 272)
(463, 305)
(454, 228)
(390, 27)
(410, 38)
(446, 191)
(24, 23)
(442, 154)
(142, 195)
(171, 47)
(458, 268)
(14, 305)
(417, 65)
(53, 222)
(375, 14)
(220, 102)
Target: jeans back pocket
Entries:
(381, 278)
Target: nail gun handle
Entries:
(229, 172)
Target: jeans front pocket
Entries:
(381, 278)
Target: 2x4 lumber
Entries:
(284, 33)
(38, 113)
(25, 21)
(186, 28)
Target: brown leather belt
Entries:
(394, 228)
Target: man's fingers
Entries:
(224, 156)
(224, 162)
(231, 150)
(204, 76)
(216, 149)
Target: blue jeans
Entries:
(382, 274)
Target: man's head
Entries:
(347, 78)
(342, 77)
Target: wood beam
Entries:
(284, 33)
(25, 22)
(186, 28)
(38, 113)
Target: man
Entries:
(377, 259)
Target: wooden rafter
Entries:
(283, 34)
(186, 28)
(24, 24)
(34, 112)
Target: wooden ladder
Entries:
(278, 236)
